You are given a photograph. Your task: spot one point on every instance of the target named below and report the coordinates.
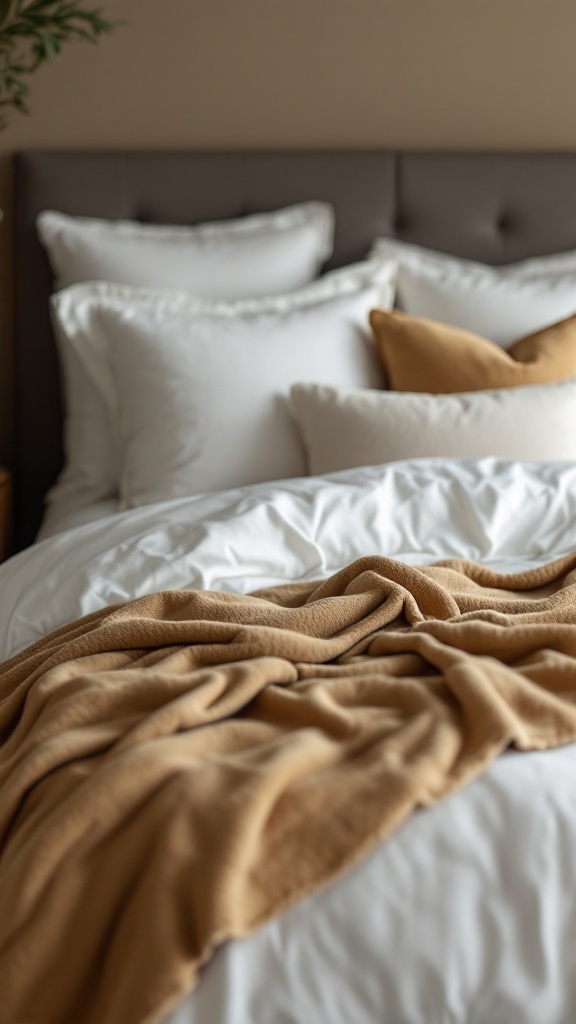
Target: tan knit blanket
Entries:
(175, 771)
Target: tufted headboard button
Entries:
(399, 224)
(504, 224)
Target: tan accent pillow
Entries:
(423, 355)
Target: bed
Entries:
(466, 912)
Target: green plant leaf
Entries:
(32, 32)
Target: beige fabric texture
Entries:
(424, 355)
(346, 427)
(179, 769)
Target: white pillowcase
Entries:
(343, 428)
(261, 254)
(256, 255)
(418, 256)
(500, 303)
(198, 391)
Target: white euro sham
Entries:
(457, 267)
(197, 392)
(262, 254)
(501, 303)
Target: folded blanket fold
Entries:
(177, 770)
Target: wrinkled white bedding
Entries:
(501, 513)
(468, 914)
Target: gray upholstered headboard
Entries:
(492, 207)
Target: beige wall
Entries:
(411, 73)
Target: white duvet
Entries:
(468, 914)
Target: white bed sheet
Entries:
(468, 914)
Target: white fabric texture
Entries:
(501, 303)
(467, 915)
(342, 428)
(491, 511)
(258, 255)
(73, 511)
(418, 256)
(197, 392)
(252, 256)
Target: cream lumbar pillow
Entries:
(198, 392)
(419, 354)
(344, 428)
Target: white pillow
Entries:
(257, 255)
(343, 428)
(500, 303)
(418, 256)
(199, 390)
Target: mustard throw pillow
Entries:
(424, 355)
